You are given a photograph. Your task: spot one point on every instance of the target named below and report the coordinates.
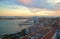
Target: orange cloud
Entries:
(25, 1)
(57, 13)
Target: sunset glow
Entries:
(29, 8)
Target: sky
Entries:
(29, 7)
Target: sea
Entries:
(10, 26)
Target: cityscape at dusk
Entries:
(29, 19)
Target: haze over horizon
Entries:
(29, 7)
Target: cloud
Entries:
(11, 8)
(16, 10)
(54, 1)
(25, 1)
(46, 4)
(41, 11)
